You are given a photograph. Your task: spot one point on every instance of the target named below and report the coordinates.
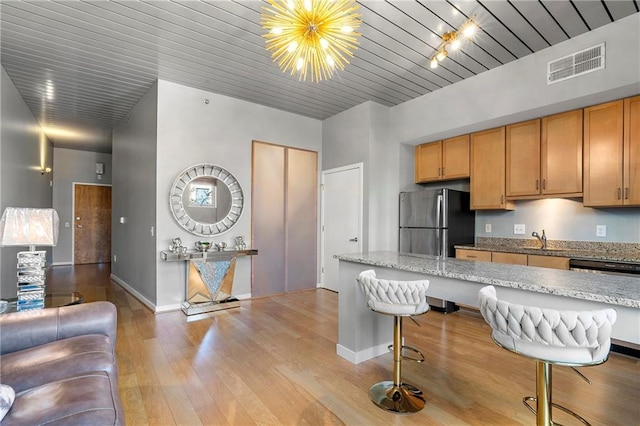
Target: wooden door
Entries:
(523, 159)
(268, 219)
(631, 165)
(603, 144)
(455, 157)
(301, 220)
(488, 170)
(428, 162)
(562, 154)
(92, 224)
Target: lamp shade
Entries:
(29, 227)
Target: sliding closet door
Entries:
(283, 219)
(267, 220)
(301, 219)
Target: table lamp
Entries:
(30, 227)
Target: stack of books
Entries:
(31, 277)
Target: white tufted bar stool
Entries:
(400, 299)
(570, 338)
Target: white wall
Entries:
(24, 151)
(518, 91)
(133, 197)
(221, 131)
(73, 166)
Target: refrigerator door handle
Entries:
(439, 211)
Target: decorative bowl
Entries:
(221, 246)
(203, 245)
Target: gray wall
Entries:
(73, 166)
(133, 197)
(191, 131)
(24, 151)
(362, 134)
(518, 91)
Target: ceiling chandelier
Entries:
(311, 36)
(452, 40)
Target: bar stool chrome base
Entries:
(403, 399)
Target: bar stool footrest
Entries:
(402, 399)
(419, 358)
(534, 410)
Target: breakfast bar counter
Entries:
(363, 335)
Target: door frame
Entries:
(73, 213)
(360, 168)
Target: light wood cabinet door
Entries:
(428, 162)
(510, 258)
(548, 261)
(484, 256)
(561, 168)
(523, 159)
(455, 157)
(488, 170)
(631, 164)
(603, 149)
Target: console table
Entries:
(209, 278)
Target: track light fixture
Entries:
(452, 40)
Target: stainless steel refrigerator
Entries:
(432, 222)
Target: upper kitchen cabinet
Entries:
(488, 170)
(544, 157)
(611, 154)
(442, 160)
(561, 170)
(631, 151)
(523, 159)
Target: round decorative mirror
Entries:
(206, 200)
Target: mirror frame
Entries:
(181, 184)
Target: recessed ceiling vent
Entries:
(583, 62)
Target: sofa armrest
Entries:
(22, 330)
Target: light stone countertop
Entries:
(613, 289)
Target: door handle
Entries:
(79, 226)
(354, 240)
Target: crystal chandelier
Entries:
(452, 40)
(311, 36)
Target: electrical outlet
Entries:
(519, 229)
(487, 228)
(601, 230)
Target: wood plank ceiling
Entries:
(82, 65)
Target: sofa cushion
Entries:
(57, 360)
(87, 399)
(7, 395)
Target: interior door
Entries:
(92, 224)
(341, 219)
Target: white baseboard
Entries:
(243, 296)
(61, 264)
(364, 355)
(136, 294)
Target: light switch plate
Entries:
(519, 229)
(601, 230)
(487, 228)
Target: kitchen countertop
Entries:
(585, 250)
(613, 289)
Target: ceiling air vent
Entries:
(583, 62)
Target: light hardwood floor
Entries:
(273, 361)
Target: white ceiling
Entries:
(82, 65)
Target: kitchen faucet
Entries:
(542, 239)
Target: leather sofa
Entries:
(61, 363)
